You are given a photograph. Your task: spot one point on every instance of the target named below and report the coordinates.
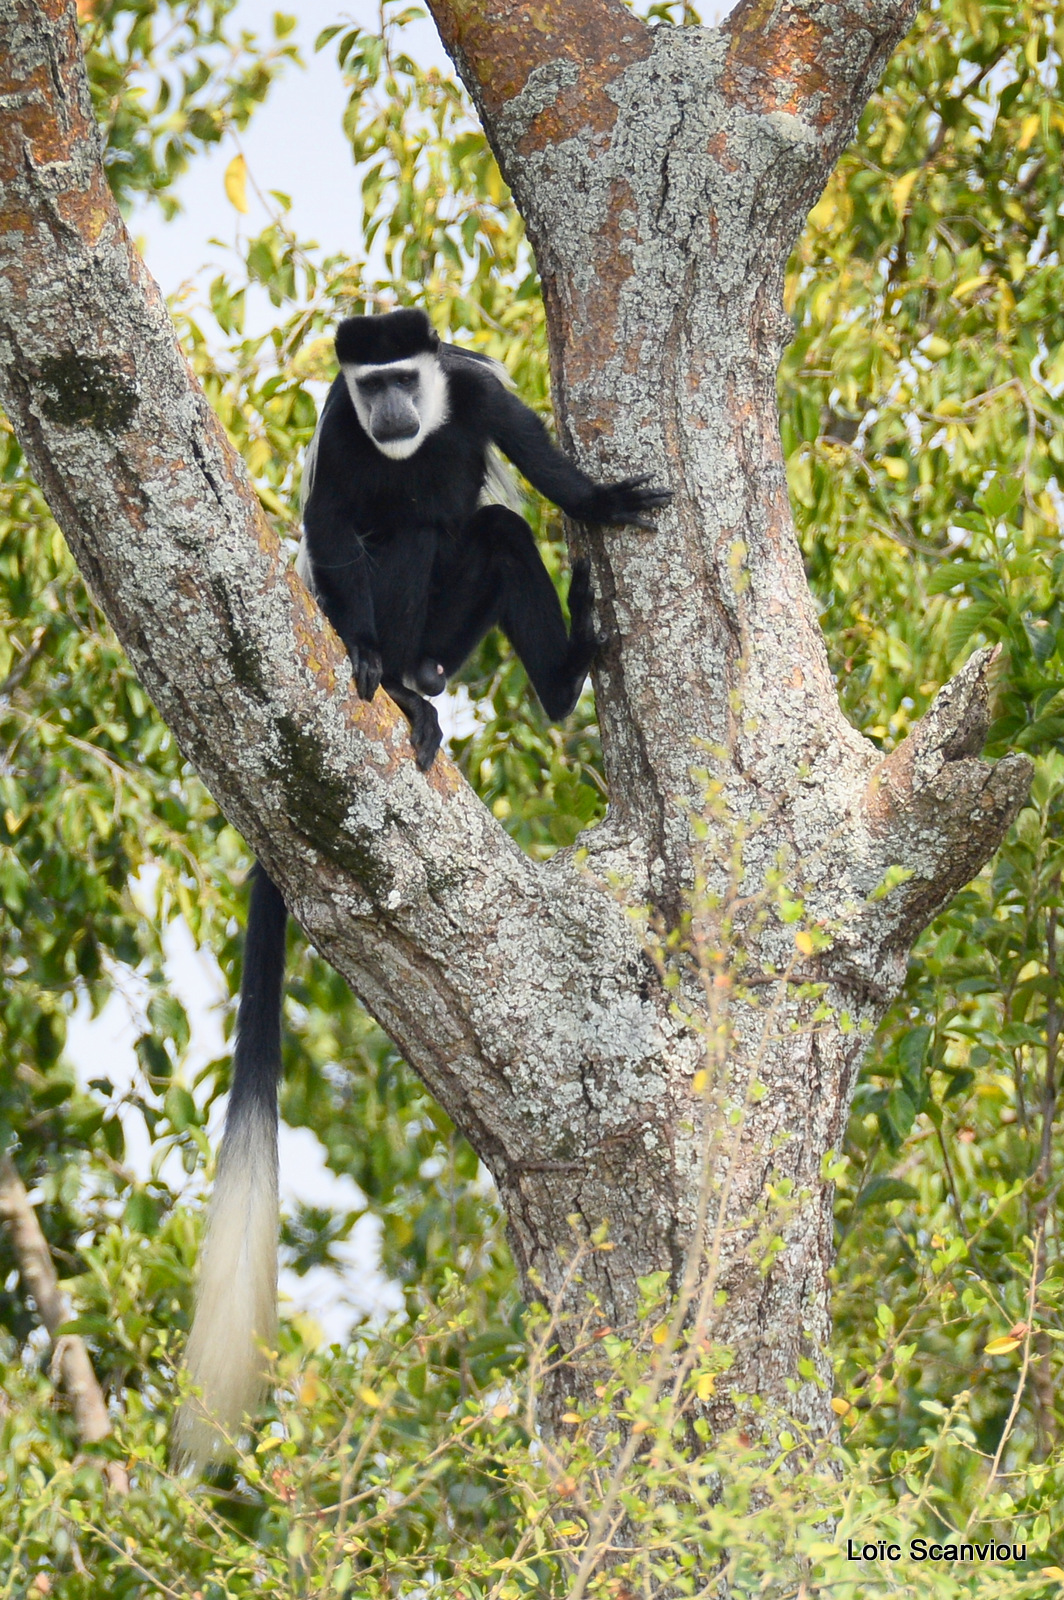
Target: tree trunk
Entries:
(664, 175)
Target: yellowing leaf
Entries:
(313, 359)
(706, 1386)
(698, 1083)
(841, 1407)
(1028, 128)
(661, 1333)
(236, 184)
(369, 1397)
(823, 212)
(1054, 1572)
(903, 189)
(895, 468)
(935, 347)
(571, 1416)
(966, 288)
(804, 941)
(1002, 1346)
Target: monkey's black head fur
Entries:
(371, 341)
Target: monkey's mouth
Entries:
(396, 445)
(396, 433)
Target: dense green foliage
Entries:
(920, 405)
(922, 416)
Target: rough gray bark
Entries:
(664, 175)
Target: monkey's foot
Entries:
(426, 734)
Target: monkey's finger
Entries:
(631, 519)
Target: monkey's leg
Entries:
(463, 601)
(529, 613)
(403, 568)
(341, 582)
(402, 575)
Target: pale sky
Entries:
(294, 143)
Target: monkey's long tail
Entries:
(236, 1299)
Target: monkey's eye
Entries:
(406, 380)
(370, 385)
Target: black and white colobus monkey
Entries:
(412, 570)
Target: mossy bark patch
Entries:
(86, 389)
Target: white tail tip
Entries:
(236, 1298)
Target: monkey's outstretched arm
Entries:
(521, 436)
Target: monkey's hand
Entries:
(366, 667)
(625, 503)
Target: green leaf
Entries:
(879, 1191)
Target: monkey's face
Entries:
(398, 403)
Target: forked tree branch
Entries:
(70, 1356)
(664, 174)
(817, 60)
(501, 47)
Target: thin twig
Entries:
(1021, 1382)
(1049, 1096)
(22, 666)
(39, 1279)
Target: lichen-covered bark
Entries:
(664, 175)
